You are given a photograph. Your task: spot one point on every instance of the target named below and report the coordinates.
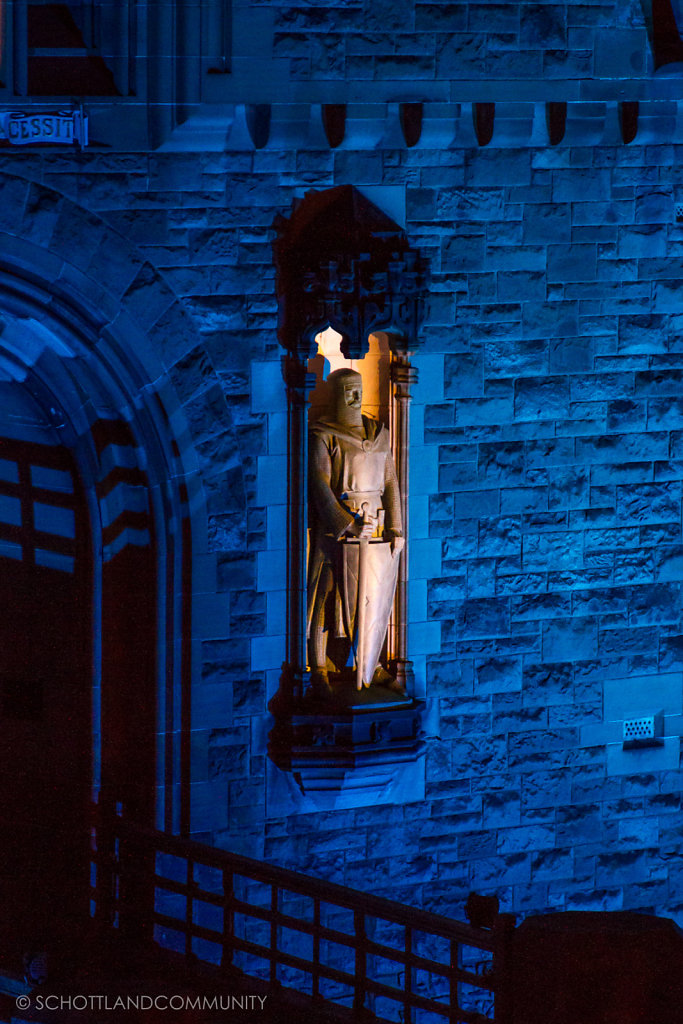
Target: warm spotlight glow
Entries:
(373, 368)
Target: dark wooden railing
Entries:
(289, 930)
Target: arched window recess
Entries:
(350, 293)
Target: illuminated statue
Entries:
(356, 540)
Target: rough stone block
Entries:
(530, 837)
(546, 221)
(568, 488)
(649, 503)
(445, 675)
(631, 642)
(484, 618)
(544, 25)
(476, 411)
(497, 675)
(654, 205)
(501, 809)
(499, 536)
(571, 355)
(580, 185)
(530, 607)
(228, 753)
(570, 639)
(474, 504)
(461, 54)
(470, 204)
(502, 463)
(491, 872)
(618, 448)
(541, 398)
(530, 258)
(463, 375)
(551, 865)
(478, 756)
(550, 319)
(444, 594)
(576, 262)
(464, 252)
(553, 550)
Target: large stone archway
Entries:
(101, 569)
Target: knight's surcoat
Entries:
(347, 470)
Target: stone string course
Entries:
(443, 125)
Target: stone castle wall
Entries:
(547, 435)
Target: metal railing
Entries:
(292, 931)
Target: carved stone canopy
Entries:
(345, 264)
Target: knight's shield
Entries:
(381, 573)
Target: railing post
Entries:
(274, 906)
(136, 864)
(104, 855)
(228, 918)
(315, 972)
(189, 884)
(408, 979)
(127, 856)
(453, 1002)
(361, 961)
(503, 931)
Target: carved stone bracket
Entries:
(351, 751)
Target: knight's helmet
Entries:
(340, 383)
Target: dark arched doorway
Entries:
(96, 588)
(45, 681)
(91, 630)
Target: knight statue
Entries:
(355, 542)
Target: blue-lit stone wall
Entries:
(546, 558)
(546, 515)
(546, 518)
(437, 42)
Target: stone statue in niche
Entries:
(356, 541)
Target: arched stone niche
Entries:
(350, 293)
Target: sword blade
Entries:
(360, 618)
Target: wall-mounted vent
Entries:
(646, 731)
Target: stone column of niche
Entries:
(403, 375)
(299, 384)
